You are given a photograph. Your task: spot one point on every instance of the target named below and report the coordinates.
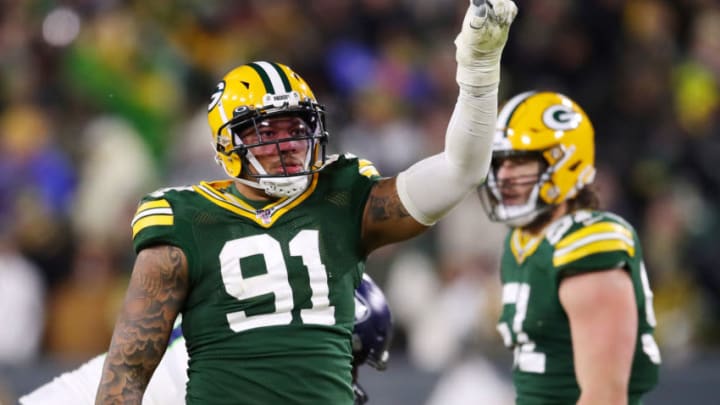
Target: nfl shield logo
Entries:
(264, 215)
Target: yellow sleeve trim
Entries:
(601, 246)
(600, 227)
(367, 168)
(153, 204)
(152, 220)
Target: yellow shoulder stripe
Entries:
(367, 168)
(153, 204)
(607, 245)
(151, 213)
(151, 220)
(598, 228)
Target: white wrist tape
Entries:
(480, 42)
(431, 187)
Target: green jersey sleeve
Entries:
(156, 222)
(595, 241)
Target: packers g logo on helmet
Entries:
(263, 90)
(553, 128)
(561, 117)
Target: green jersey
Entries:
(533, 322)
(270, 309)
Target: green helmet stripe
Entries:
(269, 88)
(507, 112)
(283, 77)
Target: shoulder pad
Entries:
(586, 233)
(155, 209)
(152, 212)
(365, 167)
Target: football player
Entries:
(263, 266)
(372, 334)
(577, 304)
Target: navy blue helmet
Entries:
(373, 326)
(372, 333)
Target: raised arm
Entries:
(402, 207)
(155, 296)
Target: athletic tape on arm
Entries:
(431, 187)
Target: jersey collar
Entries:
(222, 193)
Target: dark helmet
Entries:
(373, 325)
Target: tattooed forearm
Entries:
(157, 289)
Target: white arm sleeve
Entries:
(79, 386)
(431, 187)
(74, 387)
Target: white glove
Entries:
(481, 41)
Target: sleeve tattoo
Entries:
(156, 293)
(385, 204)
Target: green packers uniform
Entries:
(533, 322)
(270, 309)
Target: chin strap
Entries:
(279, 186)
(285, 186)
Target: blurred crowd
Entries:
(102, 101)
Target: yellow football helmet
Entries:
(557, 131)
(250, 94)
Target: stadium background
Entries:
(102, 101)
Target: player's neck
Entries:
(252, 193)
(538, 226)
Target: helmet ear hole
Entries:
(574, 166)
(233, 165)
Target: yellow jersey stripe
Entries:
(239, 207)
(596, 237)
(153, 204)
(600, 227)
(152, 220)
(215, 194)
(149, 212)
(210, 195)
(367, 168)
(600, 246)
(225, 204)
(211, 190)
(523, 246)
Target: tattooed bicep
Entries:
(384, 203)
(157, 291)
(386, 220)
(160, 279)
